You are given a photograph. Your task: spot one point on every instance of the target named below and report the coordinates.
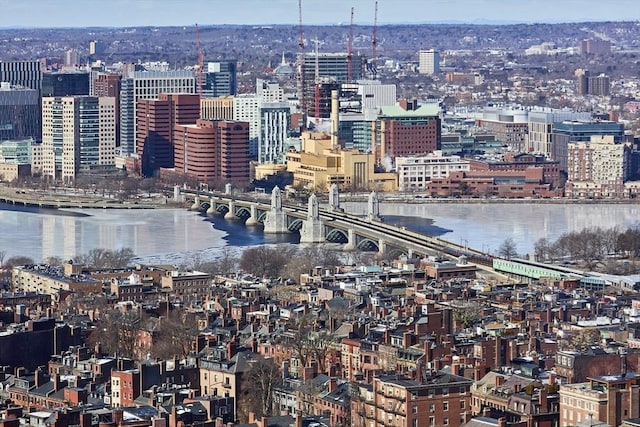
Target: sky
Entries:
(123, 13)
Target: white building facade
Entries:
(415, 172)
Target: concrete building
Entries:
(540, 132)
(22, 73)
(582, 81)
(580, 131)
(220, 108)
(598, 168)
(71, 58)
(429, 61)
(78, 135)
(139, 85)
(187, 283)
(354, 131)
(595, 47)
(213, 149)
(512, 162)
(406, 129)
(599, 85)
(96, 48)
(65, 84)
(371, 95)
(109, 85)
(246, 108)
(157, 119)
(415, 172)
(220, 79)
(269, 91)
(20, 116)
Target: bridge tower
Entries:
(312, 230)
(276, 220)
(334, 198)
(373, 207)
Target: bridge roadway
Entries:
(357, 232)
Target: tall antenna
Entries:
(374, 42)
(200, 61)
(350, 51)
(301, 64)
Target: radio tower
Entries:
(200, 61)
(374, 42)
(350, 51)
(301, 65)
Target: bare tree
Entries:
(177, 335)
(508, 249)
(263, 377)
(3, 254)
(18, 260)
(117, 332)
(263, 261)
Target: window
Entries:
(414, 409)
(462, 404)
(445, 406)
(432, 421)
(445, 421)
(432, 407)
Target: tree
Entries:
(263, 261)
(149, 185)
(508, 249)
(177, 335)
(263, 377)
(583, 340)
(3, 254)
(541, 249)
(18, 260)
(117, 332)
(105, 258)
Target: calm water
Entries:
(173, 235)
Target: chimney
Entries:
(499, 380)
(333, 384)
(117, 416)
(542, 399)
(40, 377)
(502, 422)
(334, 119)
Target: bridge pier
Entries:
(351, 243)
(196, 204)
(373, 207)
(382, 247)
(231, 215)
(212, 209)
(312, 230)
(176, 194)
(253, 219)
(276, 220)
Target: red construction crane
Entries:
(200, 61)
(350, 51)
(301, 65)
(374, 42)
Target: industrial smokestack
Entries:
(334, 119)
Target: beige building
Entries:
(187, 283)
(414, 172)
(45, 279)
(317, 166)
(598, 168)
(78, 135)
(220, 108)
(429, 61)
(607, 399)
(11, 171)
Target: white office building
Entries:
(429, 61)
(415, 172)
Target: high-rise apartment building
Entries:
(220, 79)
(595, 47)
(213, 149)
(157, 119)
(22, 73)
(582, 81)
(20, 116)
(71, 58)
(109, 85)
(429, 61)
(599, 85)
(147, 85)
(96, 48)
(580, 131)
(78, 135)
(269, 91)
(598, 168)
(65, 84)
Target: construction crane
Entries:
(200, 62)
(301, 64)
(374, 42)
(316, 94)
(350, 51)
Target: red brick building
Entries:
(513, 162)
(211, 149)
(157, 120)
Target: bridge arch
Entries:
(368, 245)
(204, 206)
(337, 236)
(243, 213)
(295, 225)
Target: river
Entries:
(173, 235)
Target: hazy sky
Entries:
(112, 13)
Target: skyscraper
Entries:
(65, 84)
(78, 135)
(429, 61)
(220, 79)
(20, 116)
(246, 108)
(157, 119)
(147, 85)
(275, 119)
